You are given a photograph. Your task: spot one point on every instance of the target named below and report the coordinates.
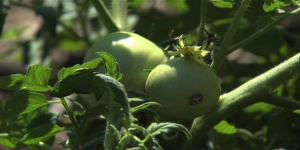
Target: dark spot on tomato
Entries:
(196, 99)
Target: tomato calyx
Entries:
(193, 52)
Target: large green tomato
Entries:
(184, 88)
(133, 53)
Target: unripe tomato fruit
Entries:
(184, 88)
(133, 53)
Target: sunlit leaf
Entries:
(297, 111)
(111, 65)
(259, 107)
(36, 79)
(179, 5)
(71, 45)
(136, 3)
(224, 135)
(223, 3)
(138, 99)
(94, 64)
(271, 5)
(6, 140)
(225, 128)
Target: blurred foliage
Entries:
(72, 26)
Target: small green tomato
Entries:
(184, 88)
(133, 53)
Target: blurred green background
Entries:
(57, 33)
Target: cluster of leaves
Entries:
(28, 123)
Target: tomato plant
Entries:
(231, 83)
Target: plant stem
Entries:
(281, 101)
(247, 94)
(105, 16)
(82, 19)
(202, 21)
(262, 31)
(54, 102)
(222, 51)
(73, 120)
(119, 13)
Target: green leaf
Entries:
(23, 103)
(95, 111)
(136, 93)
(111, 65)
(271, 5)
(116, 91)
(6, 140)
(136, 3)
(143, 106)
(39, 134)
(71, 45)
(83, 81)
(138, 99)
(36, 79)
(43, 118)
(123, 141)
(117, 133)
(297, 111)
(152, 112)
(12, 127)
(225, 128)
(94, 64)
(260, 107)
(156, 129)
(179, 5)
(223, 3)
(224, 135)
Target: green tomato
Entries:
(184, 88)
(133, 53)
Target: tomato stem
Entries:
(119, 12)
(73, 120)
(222, 51)
(262, 31)
(253, 91)
(105, 16)
(202, 21)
